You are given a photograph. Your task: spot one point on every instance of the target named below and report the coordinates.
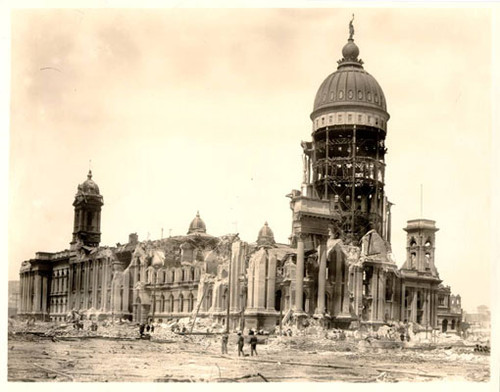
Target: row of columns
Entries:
(340, 298)
(34, 292)
(428, 298)
(81, 222)
(261, 282)
(59, 284)
(84, 280)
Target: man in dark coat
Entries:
(253, 343)
(241, 343)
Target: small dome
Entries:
(266, 236)
(197, 225)
(89, 187)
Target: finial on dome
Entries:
(351, 28)
(350, 51)
(89, 176)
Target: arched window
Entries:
(181, 303)
(224, 299)
(171, 303)
(192, 273)
(162, 304)
(208, 299)
(190, 302)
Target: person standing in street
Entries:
(253, 343)
(241, 343)
(225, 339)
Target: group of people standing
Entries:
(241, 343)
(146, 328)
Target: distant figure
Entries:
(253, 344)
(148, 327)
(141, 329)
(225, 339)
(152, 328)
(241, 343)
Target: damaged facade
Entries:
(337, 268)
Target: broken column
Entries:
(320, 310)
(299, 276)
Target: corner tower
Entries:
(344, 164)
(87, 222)
(420, 247)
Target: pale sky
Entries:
(186, 110)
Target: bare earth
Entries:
(198, 359)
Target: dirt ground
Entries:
(197, 358)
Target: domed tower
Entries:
(87, 223)
(197, 225)
(420, 248)
(265, 237)
(345, 161)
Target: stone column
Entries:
(374, 293)
(346, 299)
(21, 300)
(235, 268)
(260, 282)
(428, 307)
(28, 298)
(381, 295)
(414, 306)
(251, 278)
(402, 316)
(37, 307)
(337, 286)
(44, 296)
(95, 283)
(299, 275)
(424, 307)
(85, 272)
(271, 282)
(359, 291)
(320, 309)
(104, 285)
(77, 286)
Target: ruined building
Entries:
(338, 267)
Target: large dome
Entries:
(350, 87)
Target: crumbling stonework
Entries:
(338, 268)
